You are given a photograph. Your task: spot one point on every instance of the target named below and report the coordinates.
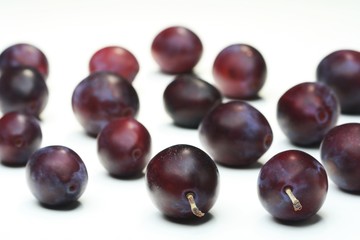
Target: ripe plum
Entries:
(27, 55)
(124, 147)
(188, 98)
(20, 136)
(182, 181)
(239, 71)
(292, 185)
(102, 97)
(306, 112)
(235, 134)
(340, 154)
(176, 50)
(56, 176)
(340, 70)
(117, 60)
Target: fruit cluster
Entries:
(183, 180)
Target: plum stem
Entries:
(296, 203)
(195, 210)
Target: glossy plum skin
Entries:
(176, 50)
(115, 59)
(124, 147)
(239, 71)
(178, 170)
(235, 134)
(23, 89)
(102, 97)
(20, 136)
(24, 54)
(188, 98)
(56, 176)
(340, 155)
(340, 70)
(306, 112)
(300, 172)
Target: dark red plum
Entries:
(27, 55)
(235, 134)
(124, 147)
(56, 176)
(176, 50)
(102, 97)
(239, 71)
(340, 154)
(20, 136)
(23, 89)
(182, 181)
(340, 70)
(306, 112)
(292, 186)
(188, 98)
(115, 59)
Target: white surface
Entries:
(293, 37)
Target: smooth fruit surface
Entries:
(306, 112)
(176, 50)
(26, 55)
(239, 71)
(56, 175)
(115, 59)
(20, 136)
(23, 89)
(175, 172)
(102, 97)
(235, 134)
(340, 154)
(340, 70)
(188, 98)
(124, 147)
(303, 175)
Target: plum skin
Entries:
(306, 178)
(239, 71)
(115, 59)
(20, 136)
(124, 147)
(340, 155)
(102, 97)
(27, 55)
(235, 134)
(178, 170)
(306, 112)
(176, 50)
(188, 98)
(23, 89)
(56, 176)
(340, 70)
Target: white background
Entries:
(293, 37)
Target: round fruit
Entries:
(26, 55)
(235, 134)
(292, 185)
(340, 70)
(56, 176)
(188, 98)
(124, 147)
(176, 50)
(239, 71)
(306, 112)
(117, 60)
(20, 136)
(340, 154)
(23, 89)
(183, 181)
(102, 97)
